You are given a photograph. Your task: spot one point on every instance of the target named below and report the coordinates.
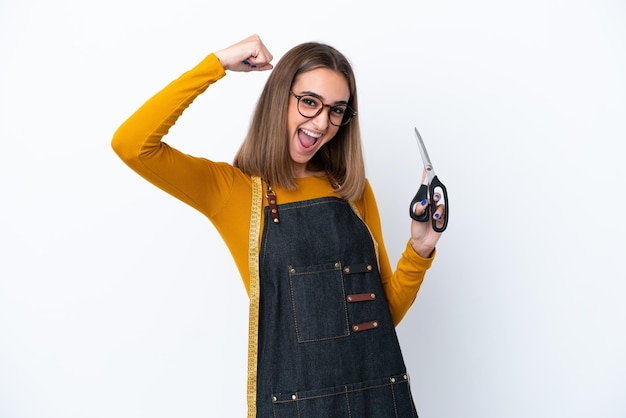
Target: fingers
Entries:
(256, 65)
(438, 196)
(419, 208)
(439, 216)
(441, 210)
(249, 54)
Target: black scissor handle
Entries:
(422, 193)
(429, 192)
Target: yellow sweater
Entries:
(223, 193)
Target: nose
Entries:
(322, 120)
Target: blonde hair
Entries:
(265, 150)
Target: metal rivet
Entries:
(337, 265)
(349, 298)
(369, 267)
(406, 377)
(274, 211)
(346, 270)
(375, 324)
(373, 295)
(294, 397)
(292, 270)
(392, 380)
(276, 221)
(355, 328)
(274, 398)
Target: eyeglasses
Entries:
(311, 106)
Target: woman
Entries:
(313, 261)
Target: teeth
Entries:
(309, 133)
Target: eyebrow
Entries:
(311, 93)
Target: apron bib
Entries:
(327, 346)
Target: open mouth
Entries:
(308, 139)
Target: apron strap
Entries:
(356, 211)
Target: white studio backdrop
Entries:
(116, 300)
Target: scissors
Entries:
(428, 190)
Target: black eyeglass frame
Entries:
(347, 117)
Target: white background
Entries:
(116, 300)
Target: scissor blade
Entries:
(425, 158)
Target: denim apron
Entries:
(327, 344)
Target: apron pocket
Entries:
(383, 398)
(319, 302)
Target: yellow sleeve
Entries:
(138, 142)
(403, 284)
(216, 189)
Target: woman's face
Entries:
(308, 135)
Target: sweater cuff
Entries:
(212, 67)
(416, 259)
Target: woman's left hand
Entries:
(423, 237)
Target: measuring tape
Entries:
(253, 317)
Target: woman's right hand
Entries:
(247, 55)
